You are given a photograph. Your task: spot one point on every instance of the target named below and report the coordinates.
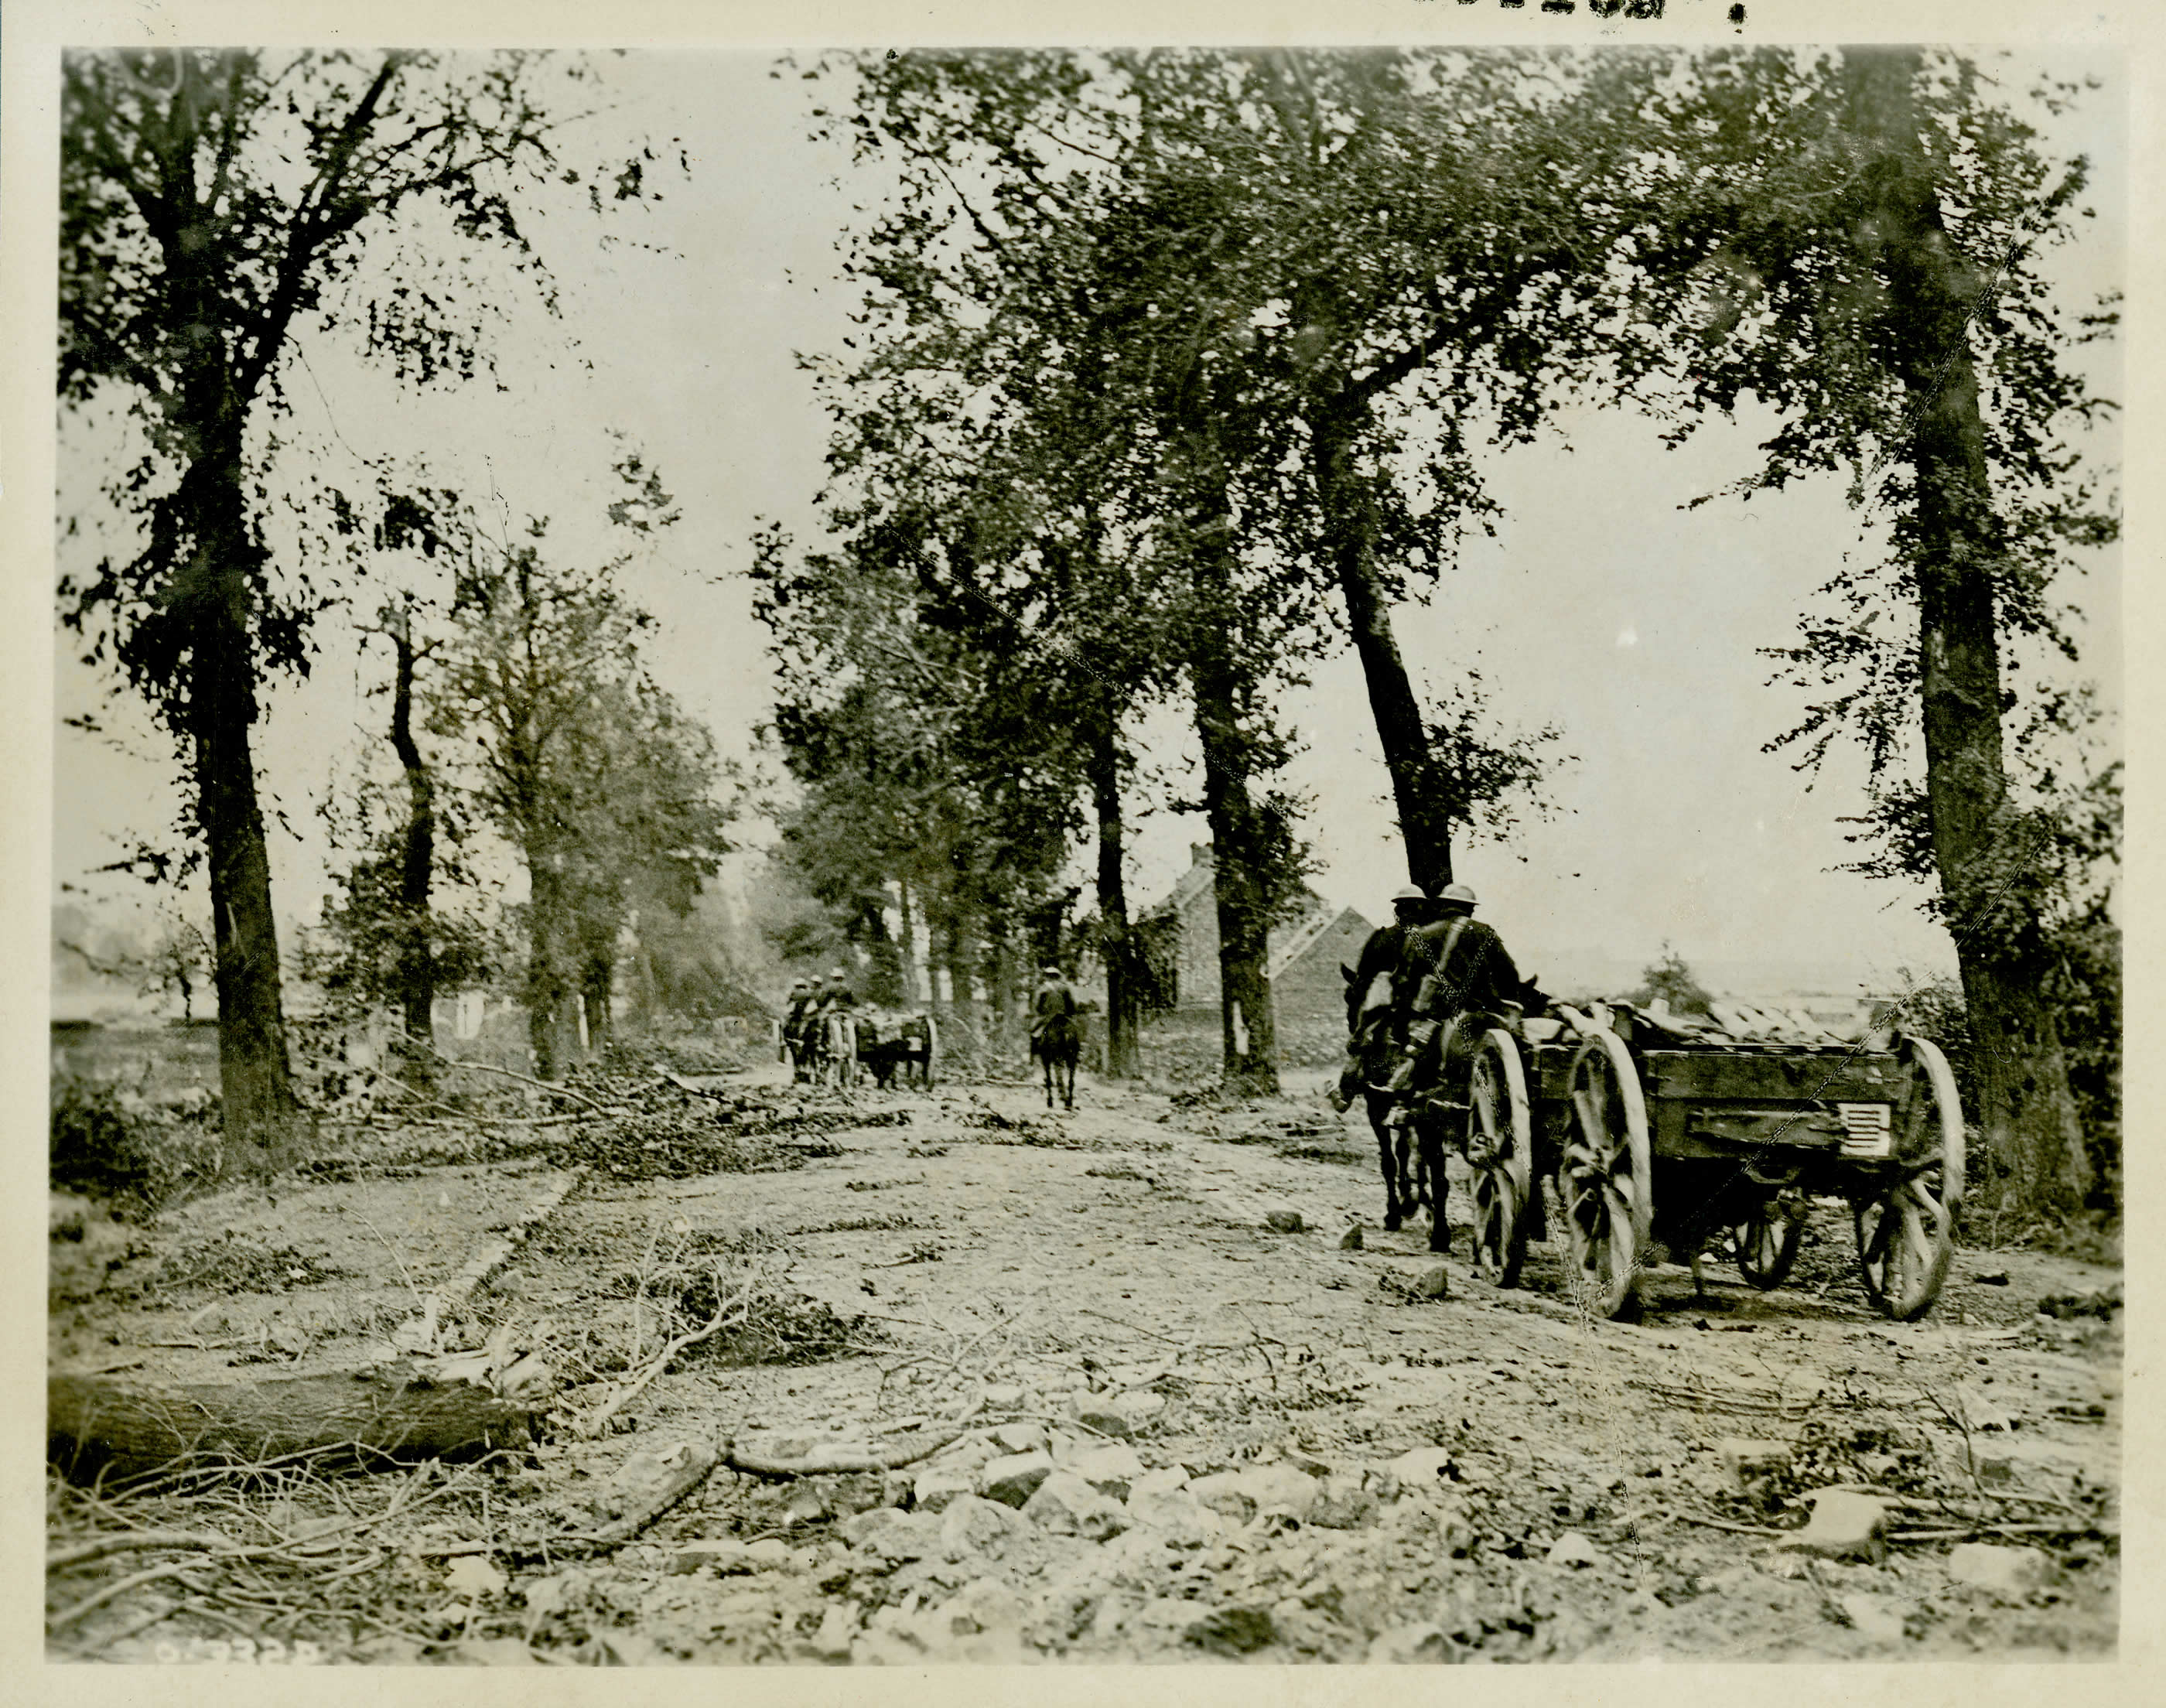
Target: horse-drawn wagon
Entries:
(1657, 1127)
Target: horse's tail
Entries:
(932, 1048)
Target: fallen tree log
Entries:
(101, 1426)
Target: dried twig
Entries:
(778, 1470)
(564, 1092)
(593, 1424)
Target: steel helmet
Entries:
(1457, 895)
(1407, 894)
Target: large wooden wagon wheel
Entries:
(1906, 1235)
(1606, 1178)
(1767, 1240)
(1500, 1142)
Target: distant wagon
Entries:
(1656, 1128)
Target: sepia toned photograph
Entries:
(1179, 854)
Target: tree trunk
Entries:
(417, 966)
(1425, 807)
(1246, 1023)
(117, 1428)
(548, 986)
(1119, 944)
(264, 1123)
(2029, 1114)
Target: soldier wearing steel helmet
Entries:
(1379, 989)
(1463, 966)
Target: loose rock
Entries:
(1231, 1631)
(1572, 1549)
(1433, 1282)
(1221, 1493)
(1111, 1469)
(1872, 1618)
(1407, 1643)
(2004, 1571)
(1749, 1461)
(1284, 1221)
(1279, 1489)
(1845, 1525)
(938, 1484)
(972, 1527)
(1350, 1240)
(1014, 1479)
(1066, 1506)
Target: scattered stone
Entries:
(474, 1576)
(2002, 1571)
(907, 1535)
(1998, 1278)
(1284, 1221)
(1872, 1618)
(1845, 1525)
(1574, 1549)
(1221, 1493)
(1350, 1240)
(725, 1554)
(938, 1484)
(1111, 1469)
(1433, 1282)
(1020, 1437)
(1992, 1470)
(1014, 1479)
(1004, 1397)
(1066, 1506)
(1749, 1461)
(838, 1630)
(1175, 1515)
(1099, 1415)
(768, 1551)
(1422, 1468)
(1279, 1489)
(1160, 1481)
(971, 1526)
(1140, 1409)
(1344, 1502)
(855, 1528)
(1407, 1643)
(1231, 1631)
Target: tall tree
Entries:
(587, 770)
(1860, 235)
(217, 210)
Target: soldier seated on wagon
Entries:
(1378, 995)
(1465, 968)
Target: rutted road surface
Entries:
(1198, 1436)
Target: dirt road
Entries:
(1195, 1436)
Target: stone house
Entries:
(1308, 995)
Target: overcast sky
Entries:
(1602, 607)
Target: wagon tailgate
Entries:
(1755, 1098)
(1804, 1076)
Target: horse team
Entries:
(828, 1040)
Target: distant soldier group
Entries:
(804, 1020)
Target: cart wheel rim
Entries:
(1605, 1177)
(1904, 1243)
(1906, 1236)
(1499, 1146)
